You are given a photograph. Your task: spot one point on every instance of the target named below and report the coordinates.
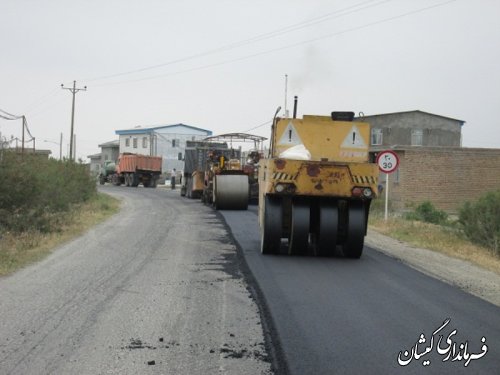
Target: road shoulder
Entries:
(465, 275)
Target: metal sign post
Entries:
(388, 162)
(386, 196)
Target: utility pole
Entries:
(22, 145)
(73, 90)
(286, 93)
(60, 148)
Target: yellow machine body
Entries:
(324, 138)
(197, 181)
(338, 158)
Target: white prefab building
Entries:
(167, 141)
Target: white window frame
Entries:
(127, 142)
(144, 142)
(134, 142)
(417, 137)
(377, 136)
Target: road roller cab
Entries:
(316, 186)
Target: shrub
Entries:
(34, 190)
(480, 221)
(426, 212)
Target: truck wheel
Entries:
(189, 187)
(115, 180)
(270, 241)
(326, 230)
(353, 246)
(134, 180)
(299, 233)
(102, 180)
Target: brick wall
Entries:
(445, 176)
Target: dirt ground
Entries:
(468, 277)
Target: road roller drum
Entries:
(231, 192)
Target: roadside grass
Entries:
(19, 250)
(444, 239)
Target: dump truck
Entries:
(134, 169)
(316, 186)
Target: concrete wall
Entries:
(397, 129)
(445, 176)
(109, 153)
(137, 140)
(171, 144)
(95, 165)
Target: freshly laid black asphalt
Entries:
(344, 316)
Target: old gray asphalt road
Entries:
(154, 290)
(340, 316)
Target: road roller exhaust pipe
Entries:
(295, 99)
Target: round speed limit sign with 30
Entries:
(387, 161)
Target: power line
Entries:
(10, 115)
(26, 126)
(40, 100)
(48, 105)
(7, 118)
(258, 126)
(310, 22)
(224, 62)
(257, 38)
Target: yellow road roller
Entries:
(230, 179)
(316, 186)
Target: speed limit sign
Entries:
(387, 161)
